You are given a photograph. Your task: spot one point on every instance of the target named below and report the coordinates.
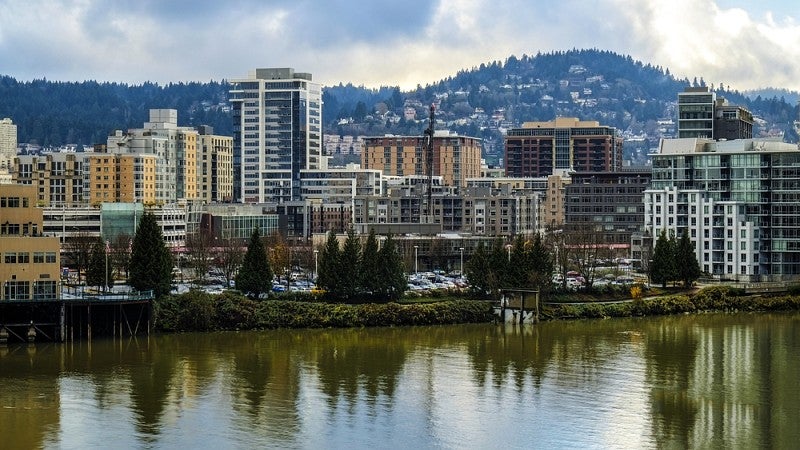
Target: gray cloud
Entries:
(386, 43)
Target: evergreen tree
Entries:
(370, 281)
(519, 265)
(662, 269)
(255, 274)
(498, 267)
(686, 261)
(477, 271)
(151, 262)
(392, 271)
(541, 263)
(329, 262)
(99, 272)
(349, 269)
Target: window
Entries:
(10, 258)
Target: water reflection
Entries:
(689, 381)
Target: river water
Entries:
(700, 381)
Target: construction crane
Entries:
(428, 149)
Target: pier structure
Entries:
(75, 316)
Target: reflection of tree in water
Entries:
(353, 361)
(533, 351)
(670, 351)
(265, 383)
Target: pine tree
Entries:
(151, 262)
(477, 271)
(350, 270)
(370, 282)
(99, 271)
(662, 269)
(686, 261)
(329, 261)
(392, 271)
(541, 263)
(519, 264)
(255, 275)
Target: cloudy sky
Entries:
(744, 44)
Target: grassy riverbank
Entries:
(198, 311)
(718, 298)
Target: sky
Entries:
(743, 44)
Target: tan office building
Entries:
(455, 158)
(214, 166)
(122, 178)
(60, 178)
(29, 262)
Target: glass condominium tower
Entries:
(277, 132)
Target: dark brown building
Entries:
(537, 149)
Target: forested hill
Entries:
(53, 113)
(481, 101)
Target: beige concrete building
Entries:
(29, 262)
(455, 158)
(175, 149)
(8, 142)
(552, 207)
(214, 166)
(115, 178)
(61, 179)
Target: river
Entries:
(695, 381)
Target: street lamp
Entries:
(461, 267)
(316, 265)
(416, 260)
(508, 247)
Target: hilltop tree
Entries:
(255, 275)
(151, 261)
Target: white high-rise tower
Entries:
(277, 132)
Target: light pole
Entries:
(316, 265)
(508, 248)
(106, 253)
(461, 267)
(416, 260)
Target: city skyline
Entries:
(397, 44)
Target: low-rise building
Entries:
(30, 264)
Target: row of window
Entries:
(25, 257)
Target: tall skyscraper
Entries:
(8, 142)
(277, 132)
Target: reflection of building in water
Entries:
(29, 402)
(738, 390)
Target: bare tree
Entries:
(121, 254)
(229, 254)
(78, 248)
(199, 247)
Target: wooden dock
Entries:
(74, 317)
